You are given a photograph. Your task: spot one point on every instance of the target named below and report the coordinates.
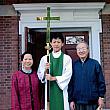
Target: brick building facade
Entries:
(8, 56)
(10, 48)
(106, 53)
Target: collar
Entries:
(83, 60)
(27, 71)
(57, 54)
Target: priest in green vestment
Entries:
(60, 71)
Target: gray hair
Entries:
(83, 43)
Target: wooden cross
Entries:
(48, 18)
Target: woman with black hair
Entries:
(25, 86)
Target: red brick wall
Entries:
(106, 54)
(8, 57)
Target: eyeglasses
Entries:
(81, 49)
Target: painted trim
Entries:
(73, 16)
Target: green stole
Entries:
(56, 94)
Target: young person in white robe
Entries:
(60, 72)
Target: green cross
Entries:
(48, 18)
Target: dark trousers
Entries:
(86, 107)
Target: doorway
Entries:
(36, 44)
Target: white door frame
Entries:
(73, 17)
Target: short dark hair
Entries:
(55, 35)
(22, 56)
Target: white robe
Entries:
(63, 80)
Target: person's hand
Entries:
(100, 103)
(47, 65)
(50, 78)
(72, 105)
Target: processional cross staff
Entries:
(48, 18)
